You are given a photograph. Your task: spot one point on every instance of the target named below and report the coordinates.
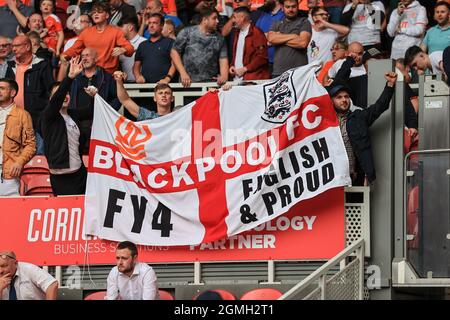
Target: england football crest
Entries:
(280, 98)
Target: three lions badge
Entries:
(279, 98)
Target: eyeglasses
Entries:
(6, 45)
(336, 49)
(4, 256)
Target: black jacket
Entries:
(358, 91)
(105, 84)
(125, 11)
(358, 123)
(54, 131)
(358, 85)
(38, 80)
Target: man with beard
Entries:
(354, 126)
(200, 52)
(130, 279)
(437, 38)
(152, 62)
(291, 37)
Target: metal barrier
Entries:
(425, 231)
(146, 90)
(347, 284)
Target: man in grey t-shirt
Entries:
(290, 37)
(200, 52)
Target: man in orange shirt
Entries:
(108, 41)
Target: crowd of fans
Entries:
(52, 63)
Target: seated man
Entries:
(131, 280)
(24, 281)
(355, 126)
(163, 99)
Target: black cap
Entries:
(335, 88)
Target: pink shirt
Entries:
(20, 74)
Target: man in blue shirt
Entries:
(163, 99)
(273, 13)
(437, 38)
(152, 62)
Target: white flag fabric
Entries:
(215, 168)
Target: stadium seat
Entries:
(226, 295)
(37, 185)
(38, 165)
(262, 294)
(165, 295)
(211, 295)
(99, 295)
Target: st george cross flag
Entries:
(215, 168)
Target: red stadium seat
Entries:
(36, 185)
(99, 295)
(37, 165)
(165, 295)
(224, 294)
(262, 294)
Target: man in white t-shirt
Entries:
(130, 29)
(130, 279)
(24, 281)
(420, 61)
(324, 35)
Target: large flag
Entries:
(215, 168)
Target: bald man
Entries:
(353, 72)
(24, 281)
(34, 76)
(92, 75)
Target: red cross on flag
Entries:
(215, 168)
